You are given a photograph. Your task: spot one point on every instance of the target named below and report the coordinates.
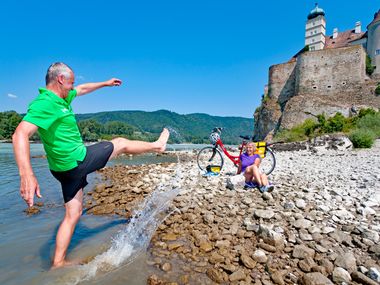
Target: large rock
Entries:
(315, 278)
(271, 237)
(341, 275)
(302, 251)
(346, 261)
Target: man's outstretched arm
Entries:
(28, 182)
(89, 87)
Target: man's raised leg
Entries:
(122, 145)
(66, 229)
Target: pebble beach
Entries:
(320, 225)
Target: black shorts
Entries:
(75, 179)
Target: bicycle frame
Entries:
(235, 159)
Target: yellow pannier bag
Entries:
(260, 148)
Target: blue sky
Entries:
(184, 56)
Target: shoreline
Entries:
(322, 221)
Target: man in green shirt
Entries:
(70, 161)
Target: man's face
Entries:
(67, 83)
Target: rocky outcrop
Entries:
(326, 81)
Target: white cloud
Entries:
(80, 77)
(11, 95)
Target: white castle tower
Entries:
(315, 29)
(373, 41)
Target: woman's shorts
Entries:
(75, 179)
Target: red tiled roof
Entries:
(343, 39)
(376, 18)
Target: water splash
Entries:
(175, 135)
(135, 237)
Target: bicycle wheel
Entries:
(209, 156)
(268, 163)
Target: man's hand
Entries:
(28, 187)
(113, 82)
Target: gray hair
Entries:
(56, 69)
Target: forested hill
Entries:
(193, 128)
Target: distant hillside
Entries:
(193, 128)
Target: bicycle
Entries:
(210, 158)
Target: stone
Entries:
(315, 278)
(346, 261)
(222, 243)
(300, 204)
(205, 246)
(237, 276)
(216, 258)
(166, 267)
(302, 251)
(306, 264)
(264, 214)
(154, 280)
(169, 237)
(33, 210)
(267, 247)
(362, 279)
(260, 256)
(340, 275)
(374, 274)
(208, 218)
(247, 261)
(174, 245)
(271, 237)
(278, 278)
(327, 264)
(302, 224)
(371, 235)
(327, 230)
(267, 196)
(215, 275)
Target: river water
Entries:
(27, 242)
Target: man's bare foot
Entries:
(65, 263)
(162, 140)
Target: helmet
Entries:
(214, 137)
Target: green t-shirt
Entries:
(58, 129)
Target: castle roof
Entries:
(315, 12)
(376, 18)
(343, 39)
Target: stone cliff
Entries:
(325, 81)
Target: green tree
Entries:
(369, 68)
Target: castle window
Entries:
(377, 52)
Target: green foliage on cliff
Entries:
(369, 68)
(362, 129)
(377, 90)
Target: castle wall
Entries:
(326, 81)
(331, 71)
(373, 45)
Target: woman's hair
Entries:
(251, 143)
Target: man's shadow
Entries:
(81, 233)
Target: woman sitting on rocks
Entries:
(249, 166)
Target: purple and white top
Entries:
(247, 160)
